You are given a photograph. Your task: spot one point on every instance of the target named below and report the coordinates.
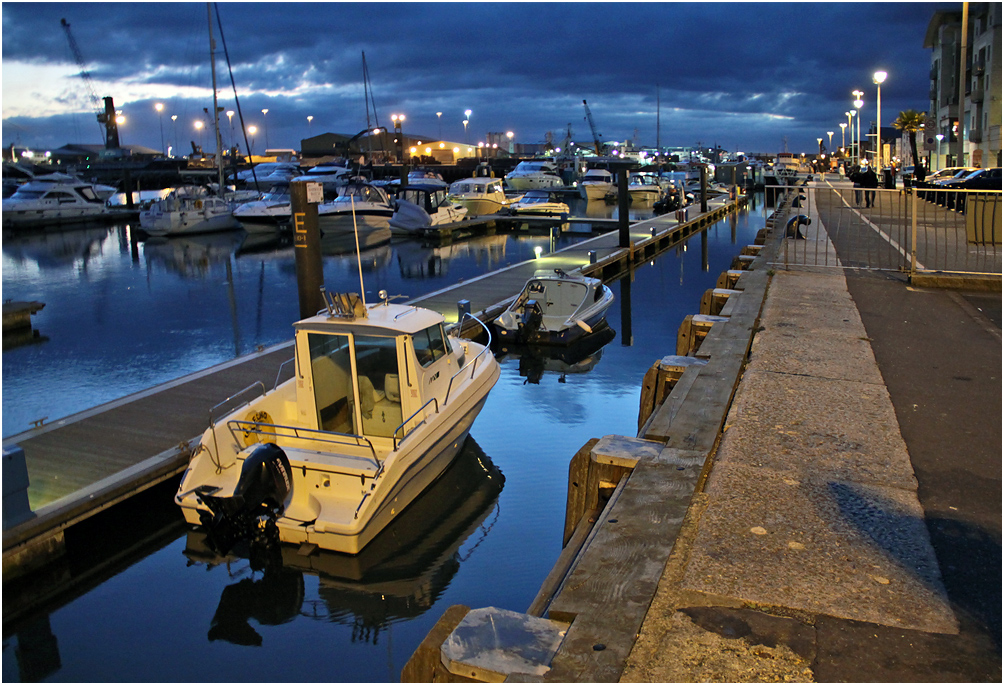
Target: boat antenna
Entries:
(359, 258)
(233, 84)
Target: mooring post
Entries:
(622, 208)
(304, 198)
(627, 337)
(127, 187)
(704, 189)
(704, 250)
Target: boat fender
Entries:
(583, 325)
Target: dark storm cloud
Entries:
(789, 67)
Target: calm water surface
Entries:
(120, 318)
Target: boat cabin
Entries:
(372, 375)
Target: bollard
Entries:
(592, 256)
(304, 198)
(652, 231)
(15, 487)
(463, 307)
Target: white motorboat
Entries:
(378, 405)
(534, 175)
(540, 202)
(188, 209)
(358, 206)
(268, 214)
(644, 188)
(332, 175)
(555, 307)
(480, 195)
(422, 207)
(596, 184)
(53, 202)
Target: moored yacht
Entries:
(421, 207)
(538, 174)
(188, 209)
(596, 184)
(379, 404)
(53, 202)
(644, 187)
(268, 214)
(359, 206)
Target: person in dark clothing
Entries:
(854, 176)
(868, 180)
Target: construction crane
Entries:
(592, 127)
(106, 114)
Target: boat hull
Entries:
(595, 191)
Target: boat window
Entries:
(430, 344)
(23, 194)
(379, 385)
(62, 197)
(331, 370)
(88, 194)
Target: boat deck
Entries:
(83, 463)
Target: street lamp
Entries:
(264, 123)
(230, 118)
(439, 116)
(879, 78)
(310, 118)
(160, 116)
(198, 127)
(509, 134)
(940, 137)
(843, 128)
(466, 140)
(858, 104)
(174, 122)
(467, 118)
(252, 130)
(854, 146)
(829, 143)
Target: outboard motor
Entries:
(250, 513)
(530, 322)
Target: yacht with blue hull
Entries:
(379, 403)
(555, 308)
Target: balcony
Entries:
(977, 95)
(975, 135)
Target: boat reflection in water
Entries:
(578, 357)
(397, 576)
(191, 256)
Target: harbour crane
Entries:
(106, 114)
(592, 127)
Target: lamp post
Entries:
(467, 118)
(509, 134)
(251, 130)
(439, 117)
(160, 116)
(858, 104)
(264, 123)
(940, 137)
(854, 144)
(829, 143)
(174, 122)
(310, 118)
(879, 78)
(230, 118)
(398, 120)
(198, 127)
(843, 128)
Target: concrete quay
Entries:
(844, 524)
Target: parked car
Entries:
(981, 179)
(937, 179)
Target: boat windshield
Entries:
(23, 194)
(357, 194)
(430, 345)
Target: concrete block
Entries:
(16, 508)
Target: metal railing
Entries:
(474, 362)
(916, 230)
(405, 422)
(275, 430)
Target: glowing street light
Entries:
(252, 130)
(264, 123)
(879, 78)
(940, 137)
(174, 123)
(829, 143)
(467, 118)
(160, 116)
(509, 134)
(858, 104)
(439, 116)
(230, 118)
(198, 127)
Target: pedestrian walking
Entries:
(868, 179)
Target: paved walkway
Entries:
(850, 527)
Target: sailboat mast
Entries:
(216, 108)
(658, 114)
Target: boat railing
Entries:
(278, 374)
(240, 393)
(239, 430)
(407, 420)
(474, 362)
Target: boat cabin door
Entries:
(354, 383)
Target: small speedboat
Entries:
(268, 214)
(421, 207)
(359, 206)
(378, 405)
(480, 195)
(555, 307)
(539, 202)
(644, 188)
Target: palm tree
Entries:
(911, 121)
